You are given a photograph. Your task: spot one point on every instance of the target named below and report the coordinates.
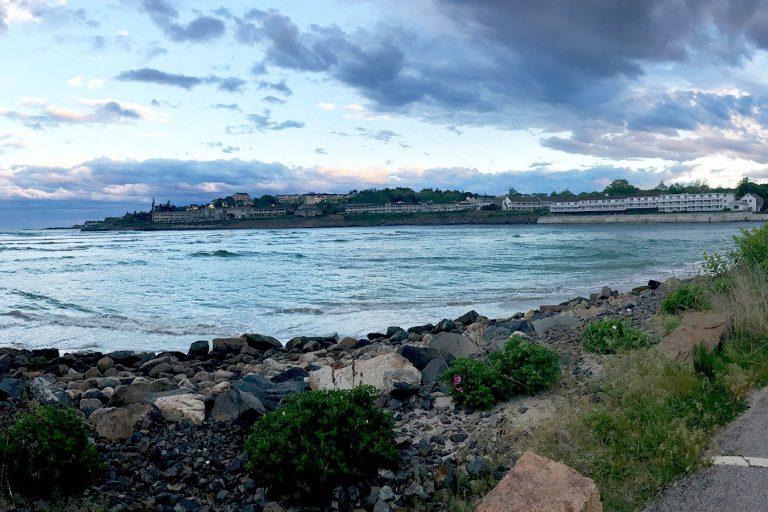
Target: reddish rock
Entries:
(695, 328)
(540, 484)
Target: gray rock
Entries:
(107, 382)
(402, 381)
(89, 405)
(416, 489)
(105, 363)
(543, 325)
(233, 404)
(115, 423)
(138, 391)
(468, 318)
(381, 506)
(184, 408)
(269, 393)
(198, 349)
(227, 345)
(263, 343)
(605, 293)
(6, 363)
(454, 344)
(45, 392)
(445, 325)
(418, 356)
(130, 357)
(433, 371)
(297, 374)
(477, 467)
(12, 389)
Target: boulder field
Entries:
(171, 426)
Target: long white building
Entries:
(706, 202)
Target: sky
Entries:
(107, 104)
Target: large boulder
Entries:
(433, 371)
(233, 404)
(694, 328)
(418, 356)
(130, 357)
(263, 343)
(188, 408)
(456, 345)
(43, 391)
(387, 372)
(116, 423)
(198, 349)
(269, 393)
(227, 345)
(135, 393)
(563, 321)
(12, 389)
(537, 483)
(469, 317)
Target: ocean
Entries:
(163, 290)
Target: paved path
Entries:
(738, 481)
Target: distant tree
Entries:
(661, 186)
(620, 188)
(513, 192)
(492, 206)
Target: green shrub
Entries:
(715, 264)
(752, 247)
(319, 440)
(520, 367)
(48, 451)
(526, 367)
(685, 298)
(611, 336)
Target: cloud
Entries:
(227, 106)
(88, 83)
(262, 122)
(321, 151)
(280, 87)
(199, 30)
(273, 99)
(102, 111)
(149, 75)
(326, 106)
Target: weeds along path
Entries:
(729, 484)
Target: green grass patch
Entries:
(669, 323)
(611, 336)
(641, 427)
(520, 367)
(687, 297)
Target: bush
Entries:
(611, 336)
(715, 264)
(319, 440)
(752, 247)
(685, 298)
(520, 367)
(48, 451)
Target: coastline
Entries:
(480, 218)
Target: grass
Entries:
(687, 297)
(642, 426)
(669, 323)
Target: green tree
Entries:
(620, 188)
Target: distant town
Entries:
(618, 197)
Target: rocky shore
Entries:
(171, 426)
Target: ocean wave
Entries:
(219, 253)
(297, 311)
(37, 298)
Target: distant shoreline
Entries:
(433, 219)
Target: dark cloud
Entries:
(385, 136)
(231, 84)
(50, 116)
(227, 106)
(262, 122)
(281, 87)
(201, 29)
(273, 99)
(156, 76)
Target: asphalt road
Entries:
(725, 488)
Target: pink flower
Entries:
(456, 380)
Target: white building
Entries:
(527, 203)
(706, 202)
(748, 202)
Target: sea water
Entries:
(162, 290)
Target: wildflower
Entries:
(456, 380)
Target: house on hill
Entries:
(308, 210)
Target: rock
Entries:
(442, 403)
(107, 382)
(418, 356)
(477, 467)
(105, 363)
(468, 318)
(228, 345)
(138, 391)
(46, 353)
(433, 371)
(234, 404)
(116, 423)
(130, 358)
(12, 389)
(269, 393)
(455, 345)
(262, 343)
(542, 325)
(420, 329)
(221, 375)
(182, 408)
(349, 342)
(653, 284)
(549, 309)
(6, 363)
(605, 293)
(89, 405)
(198, 349)
(291, 374)
(694, 328)
(537, 483)
(387, 494)
(445, 325)
(496, 335)
(402, 381)
(45, 392)
(380, 372)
